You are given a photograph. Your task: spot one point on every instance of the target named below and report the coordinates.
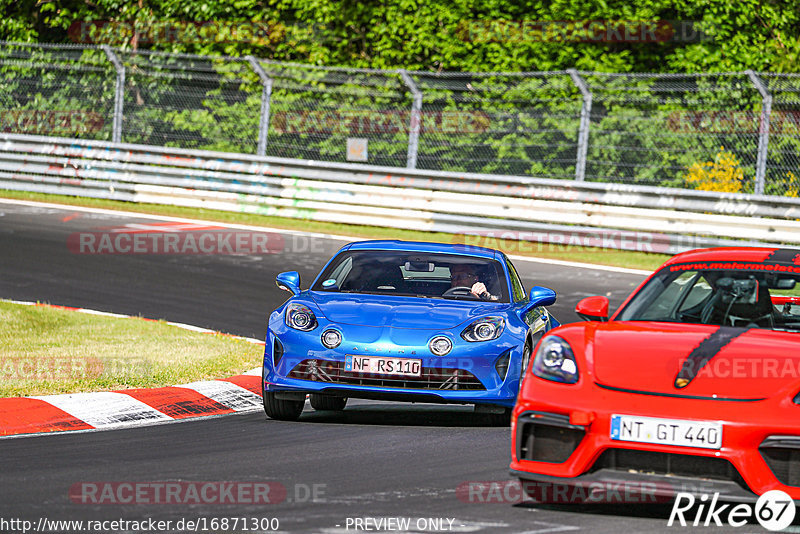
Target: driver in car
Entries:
(466, 275)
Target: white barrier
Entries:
(548, 211)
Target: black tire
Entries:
(526, 358)
(327, 402)
(282, 409)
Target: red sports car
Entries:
(692, 385)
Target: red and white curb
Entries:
(35, 415)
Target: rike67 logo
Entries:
(774, 510)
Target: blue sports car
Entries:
(404, 321)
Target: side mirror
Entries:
(541, 296)
(593, 309)
(289, 281)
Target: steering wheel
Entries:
(458, 290)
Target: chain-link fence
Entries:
(190, 102)
(315, 110)
(667, 130)
(736, 132)
(66, 91)
(518, 124)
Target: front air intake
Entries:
(782, 455)
(547, 437)
(668, 464)
(277, 352)
(430, 377)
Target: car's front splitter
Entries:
(589, 409)
(393, 394)
(616, 487)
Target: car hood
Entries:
(401, 312)
(687, 359)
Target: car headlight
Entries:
(484, 329)
(555, 361)
(300, 317)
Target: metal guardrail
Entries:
(513, 207)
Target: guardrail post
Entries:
(416, 118)
(266, 96)
(763, 131)
(116, 129)
(583, 130)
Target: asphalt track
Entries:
(375, 460)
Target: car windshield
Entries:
(414, 274)
(756, 296)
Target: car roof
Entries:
(748, 254)
(420, 246)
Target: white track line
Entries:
(88, 311)
(578, 265)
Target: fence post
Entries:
(763, 131)
(266, 95)
(414, 125)
(583, 131)
(116, 130)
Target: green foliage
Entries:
(460, 35)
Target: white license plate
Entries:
(702, 434)
(380, 365)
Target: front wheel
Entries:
(282, 409)
(327, 402)
(526, 357)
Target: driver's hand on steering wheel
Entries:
(480, 291)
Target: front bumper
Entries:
(563, 436)
(467, 375)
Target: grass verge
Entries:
(46, 351)
(600, 256)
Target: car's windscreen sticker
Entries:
(784, 255)
(735, 265)
(702, 353)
